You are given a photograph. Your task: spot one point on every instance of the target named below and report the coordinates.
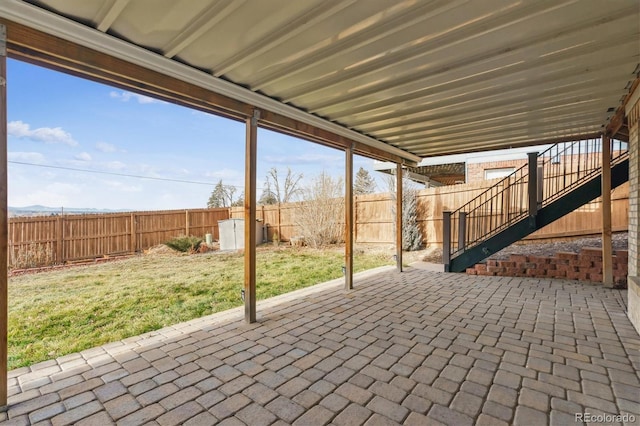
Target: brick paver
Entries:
(415, 348)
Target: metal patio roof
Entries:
(426, 77)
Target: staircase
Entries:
(552, 184)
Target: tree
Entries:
(217, 197)
(320, 216)
(364, 183)
(239, 202)
(268, 196)
(278, 191)
(411, 233)
(221, 196)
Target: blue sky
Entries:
(62, 121)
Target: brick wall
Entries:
(583, 266)
(475, 171)
(633, 295)
(634, 195)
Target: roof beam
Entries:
(108, 14)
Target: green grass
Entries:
(60, 312)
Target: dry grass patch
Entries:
(60, 312)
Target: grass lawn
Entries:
(60, 312)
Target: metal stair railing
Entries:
(546, 177)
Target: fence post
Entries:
(462, 230)
(59, 240)
(533, 183)
(186, 223)
(133, 241)
(279, 224)
(446, 240)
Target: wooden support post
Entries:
(399, 217)
(355, 218)
(462, 231)
(446, 240)
(186, 223)
(607, 251)
(533, 184)
(4, 222)
(348, 220)
(250, 218)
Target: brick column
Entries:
(633, 116)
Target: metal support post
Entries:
(533, 184)
(446, 240)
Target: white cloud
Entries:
(127, 96)
(41, 134)
(83, 156)
(26, 157)
(105, 147)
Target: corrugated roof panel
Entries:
(425, 76)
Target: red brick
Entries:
(622, 254)
(518, 258)
(567, 255)
(591, 251)
(481, 267)
(540, 259)
(471, 271)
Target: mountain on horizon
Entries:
(40, 210)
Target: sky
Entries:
(57, 122)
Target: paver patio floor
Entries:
(413, 348)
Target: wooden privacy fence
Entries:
(373, 220)
(46, 240)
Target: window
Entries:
(498, 173)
